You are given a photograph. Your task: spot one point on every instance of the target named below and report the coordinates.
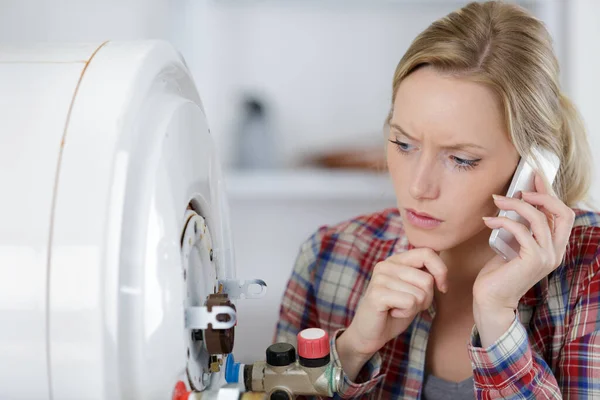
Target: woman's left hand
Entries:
(500, 285)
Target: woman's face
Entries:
(450, 153)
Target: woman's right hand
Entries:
(400, 288)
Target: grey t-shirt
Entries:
(435, 388)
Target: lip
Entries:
(422, 215)
(421, 220)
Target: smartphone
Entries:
(502, 241)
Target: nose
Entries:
(423, 185)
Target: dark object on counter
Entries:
(254, 140)
(372, 159)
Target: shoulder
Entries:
(584, 242)
(362, 231)
(335, 263)
(585, 227)
(357, 242)
(581, 263)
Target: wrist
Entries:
(351, 344)
(484, 304)
(352, 361)
(492, 322)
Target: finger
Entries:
(416, 281)
(562, 214)
(537, 219)
(556, 206)
(387, 299)
(418, 277)
(387, 270)
(539, 185)
(399, 313)
(402, 286)
(424, 258)
(522, 234)
(550, 218)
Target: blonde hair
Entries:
(505, 47)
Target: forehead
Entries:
(449, 109)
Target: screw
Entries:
(184, 274)
(211, 254)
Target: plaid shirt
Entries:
(551, 350)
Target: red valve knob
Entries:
(180, 392)
(313, 343)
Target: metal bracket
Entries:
(241, 289)
(201, 318)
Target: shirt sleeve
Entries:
(578, 370)
(298, 311)
(366, 380)
(509, 369)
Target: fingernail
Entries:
(497, 197)
(527, 193)
(490, 221)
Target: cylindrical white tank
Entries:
(104, 152)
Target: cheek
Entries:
(390, 153)
(476, 201)
(392, 161)
(396, 170)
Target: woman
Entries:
(424, 308)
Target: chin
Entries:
(429, 240)
(420, 240)
(444, 241)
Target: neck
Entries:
(465, 261)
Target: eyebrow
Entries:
(456, 146)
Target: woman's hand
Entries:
(400, 288)
(500, 284)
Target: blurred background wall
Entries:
(310, 82)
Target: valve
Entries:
(284, 375)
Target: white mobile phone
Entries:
(502, 241)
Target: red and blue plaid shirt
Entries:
(551, 350)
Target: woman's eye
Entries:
(401, 146)
(464, 164)
(459, 163)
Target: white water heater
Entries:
(115, 248)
